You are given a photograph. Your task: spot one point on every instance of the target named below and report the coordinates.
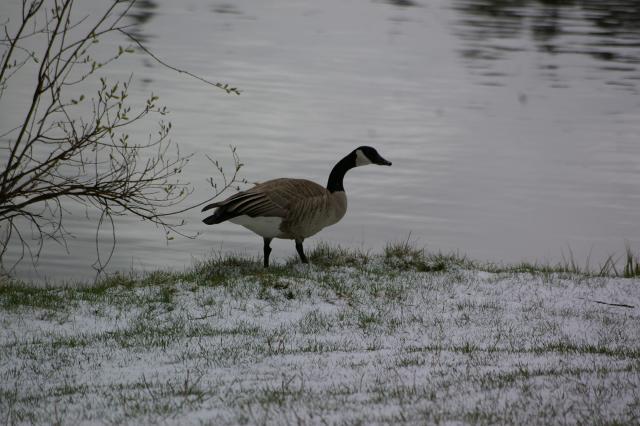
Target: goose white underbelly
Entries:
(268, 227)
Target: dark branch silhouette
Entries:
(78, 149)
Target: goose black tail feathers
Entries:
(217, 216)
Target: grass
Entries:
(632, 264)
(400, 337)
(403, 255)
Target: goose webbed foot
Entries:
(300, 250)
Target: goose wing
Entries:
(273, 198)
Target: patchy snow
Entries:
(338, 346)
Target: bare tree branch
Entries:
(222, 86)
(79, 150)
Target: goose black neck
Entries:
(337, 174)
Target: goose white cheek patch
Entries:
(361, 159)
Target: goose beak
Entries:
(382, 162)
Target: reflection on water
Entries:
(608, 31)
(229, 8)
(402, 3)
(141, 13)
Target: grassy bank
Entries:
(354, 338)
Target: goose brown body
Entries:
(292, 208)
(303, 208)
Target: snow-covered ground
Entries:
(324, 345)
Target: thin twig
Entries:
(620, 305)
(222, 86)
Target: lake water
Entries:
(513, 127)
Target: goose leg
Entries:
(267, 251)
(301, 251)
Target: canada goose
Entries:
(292, 209)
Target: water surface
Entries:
(512, 126)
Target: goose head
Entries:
(368, 155)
